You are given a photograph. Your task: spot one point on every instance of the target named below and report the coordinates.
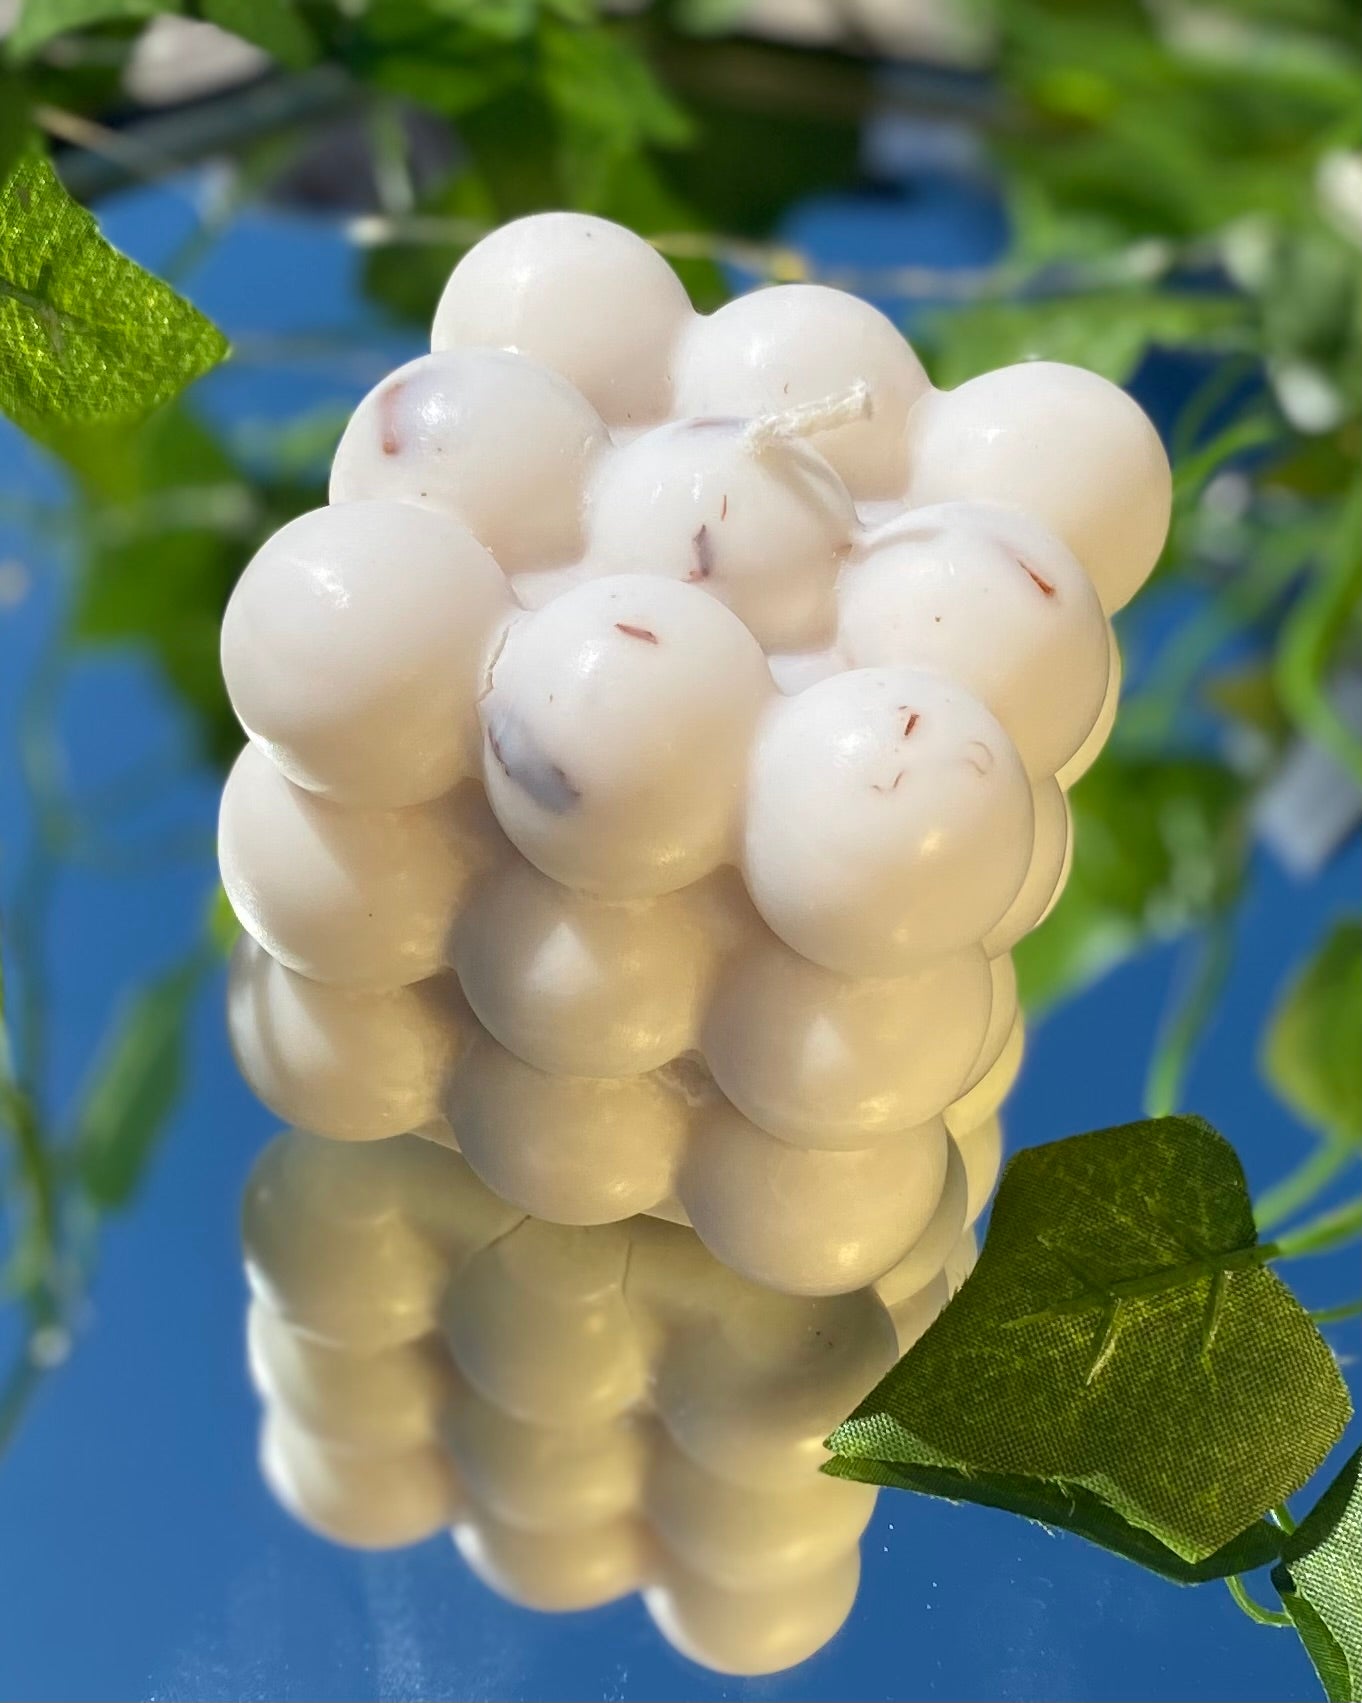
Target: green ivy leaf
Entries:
(136, 1086)
(41, 21)
(1311, 1054)
(86, 336)
(1073, 1509)
(1320, 1583)
(1120, 1349)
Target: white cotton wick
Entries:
(843, 408)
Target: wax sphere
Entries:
(765, 531)
(384, 1400)
(363, 897)
(584, 986)
(1062, 444)
(353, 648)
(584, 296)
(1092, 747)
(615, 734)
(574, 1149)
(740, 1535)
(1002, 1015)
(353, 1064)
(756, 1631)
(1051, 857)
(924, 1261)
(500, 442)
(376, 1501)
(982, 1100)
(830, 1221)
(797, 344)
(889, 821)
(547, 1476)
(544, 1358)
(981, 1148)
(827, 1060)
(987, 598)
(554, 1571)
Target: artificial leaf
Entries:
(136, 1085)
(1320, 1583)
(42, 20)
(1311, 1053)
(86, 336)
(1120, 1337)
(1073, 1509)
(273, 25)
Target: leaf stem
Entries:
(1333, 1229)
(1255, 1610)
(1299, 1187)
(1190, 1015)
(1336, 1315)
(1284, 1517)
(1307, 644)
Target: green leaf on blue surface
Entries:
(1320, 1583)
(1311, 1052)
(87, 337)
(1120, 1360)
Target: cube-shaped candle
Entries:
(661, 740)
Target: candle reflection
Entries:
(592, 1411)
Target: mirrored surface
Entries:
(592, 1411)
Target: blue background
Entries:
(140, 1554)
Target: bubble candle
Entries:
(661, 740)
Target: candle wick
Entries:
(842, 409)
